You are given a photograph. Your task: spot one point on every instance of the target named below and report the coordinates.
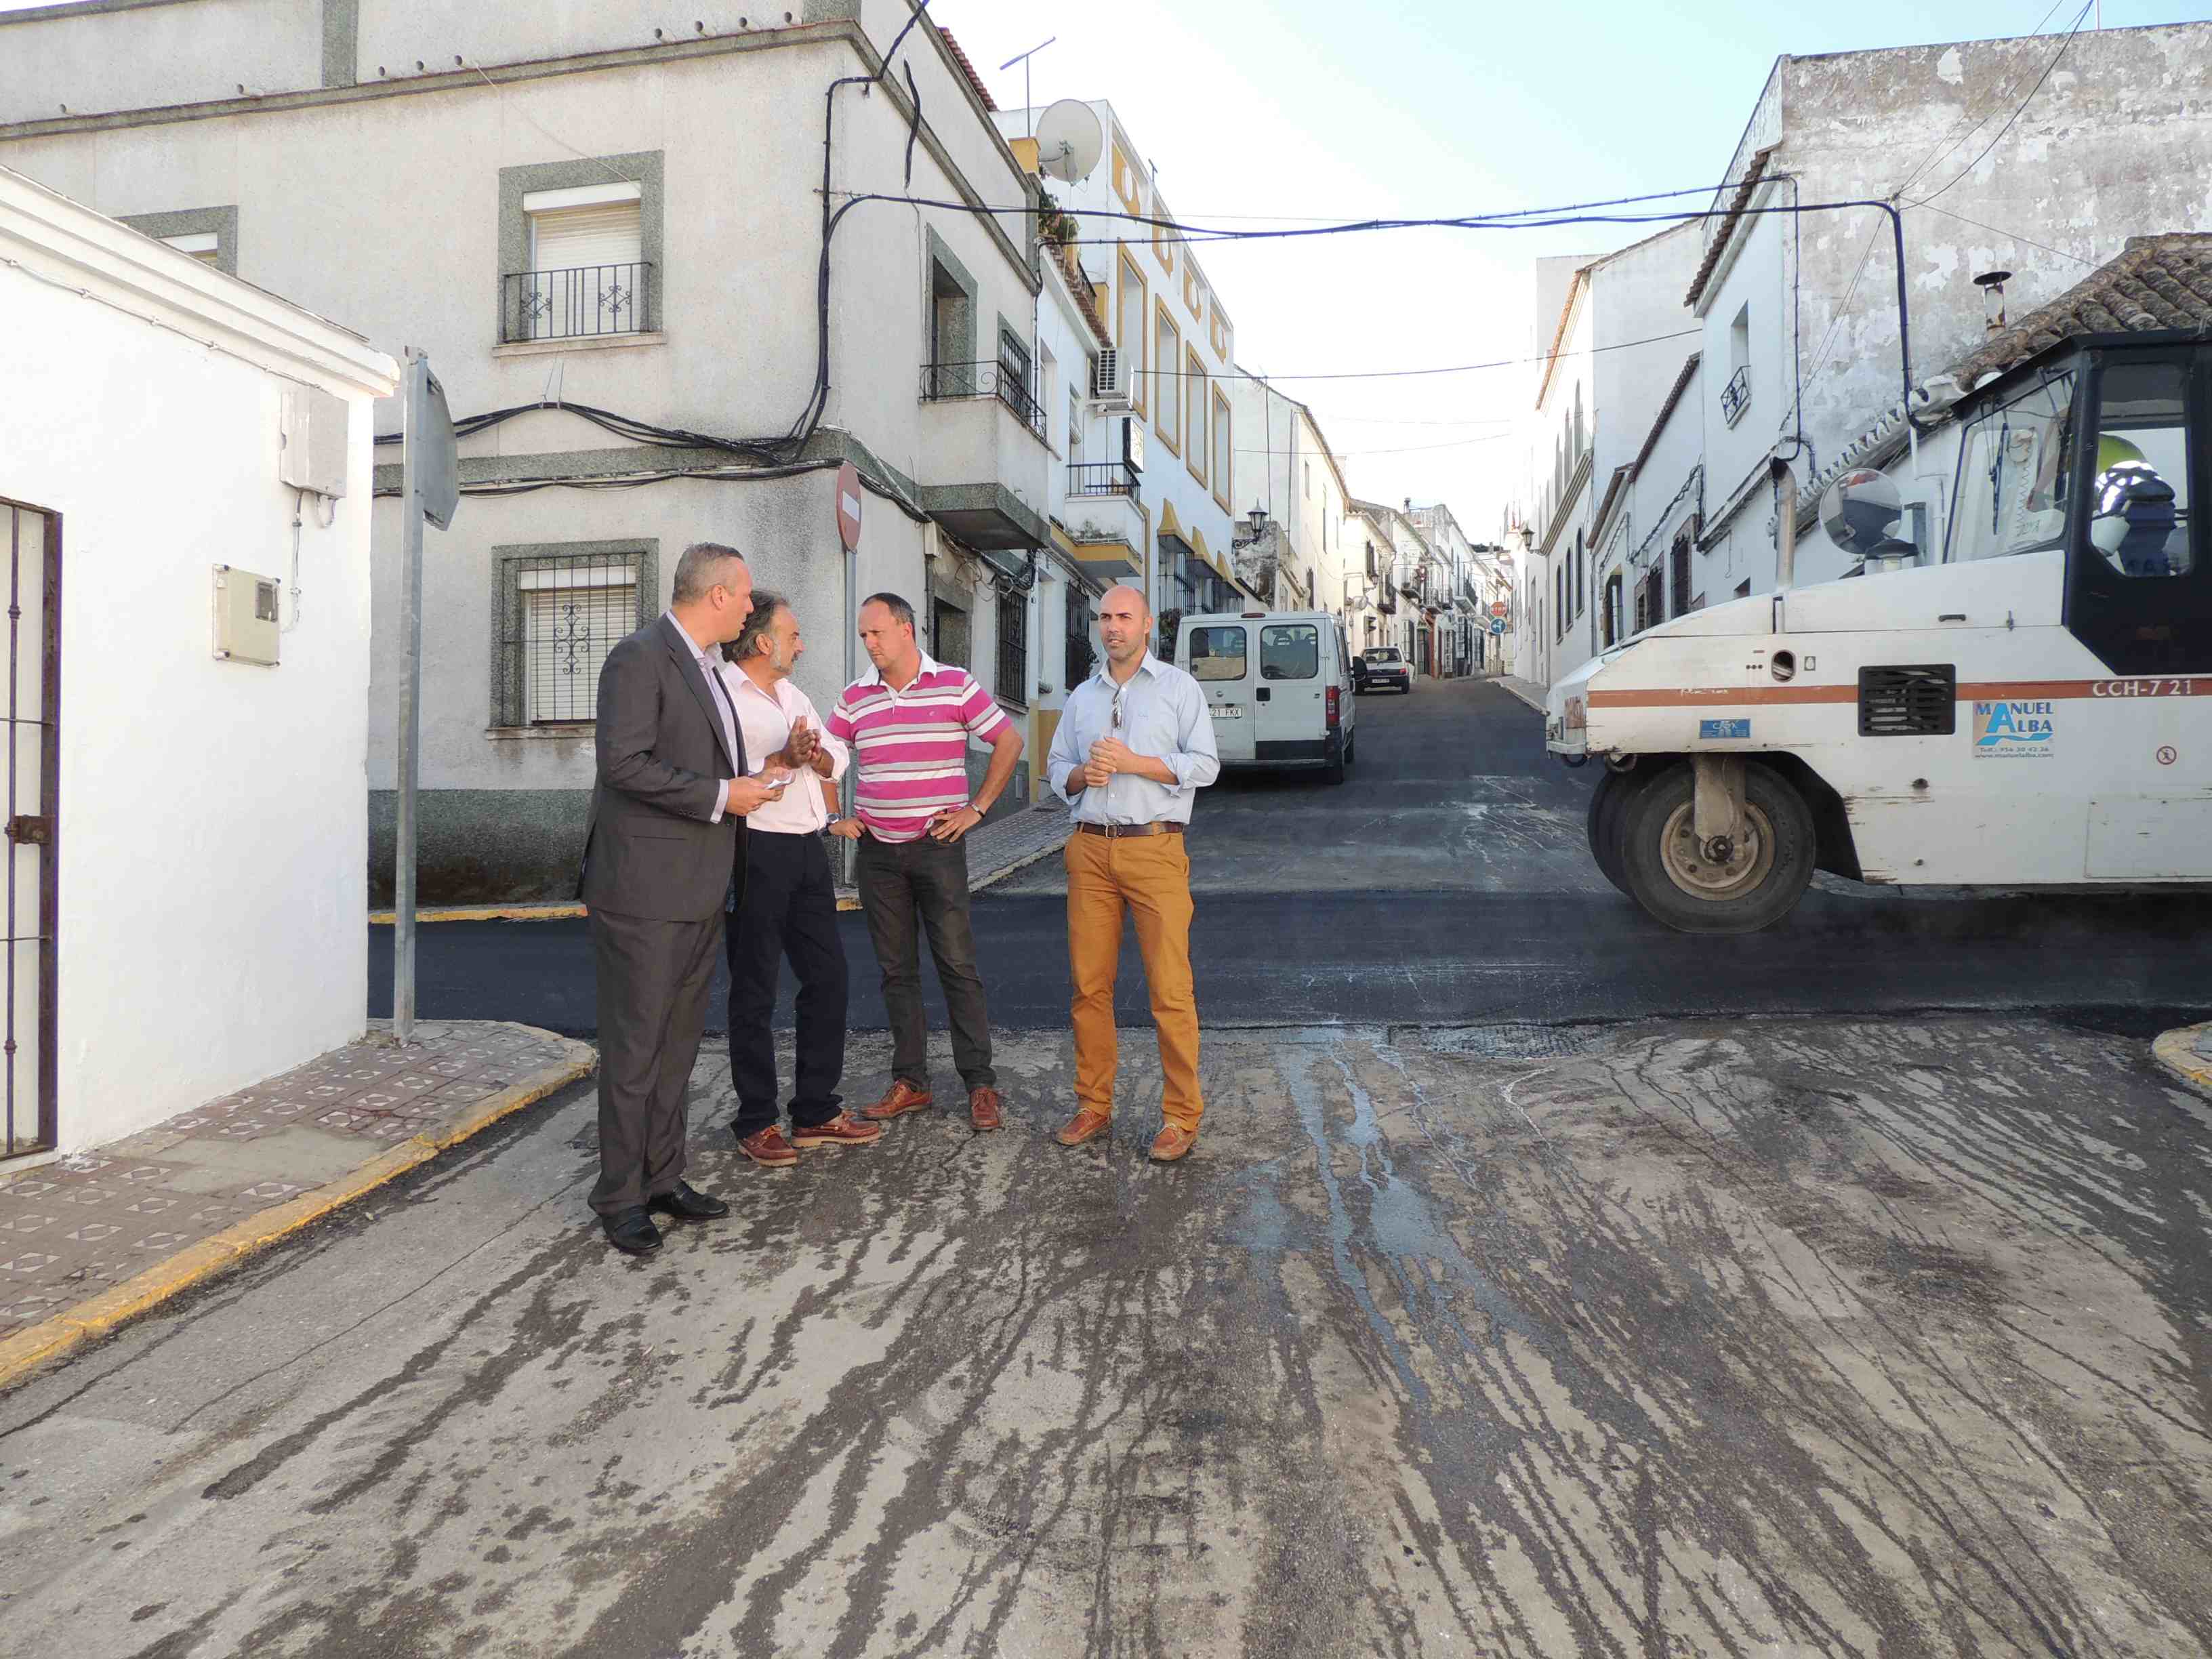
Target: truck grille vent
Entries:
(1920, 701)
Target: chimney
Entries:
(1992, 284)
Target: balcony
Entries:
(585, 303)
(1088, 478)
(982, 461)
(1736, 396)
(1103, 520)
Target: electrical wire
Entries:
(2080, 18)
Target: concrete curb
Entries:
(1009, 867)
(2180, 1053)
(1512, 689)
(29, 1349)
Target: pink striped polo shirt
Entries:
(910, 747)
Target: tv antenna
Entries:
(1023, 59)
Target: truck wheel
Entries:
(1607, 801)
(1678, 884)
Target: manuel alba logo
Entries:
(2013, 728)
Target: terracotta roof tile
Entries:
(1719, 246)
(2155, 283)
(969, 69)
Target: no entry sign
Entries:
(848, 505)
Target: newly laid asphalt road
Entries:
(1856, 1337)
(1448, 880)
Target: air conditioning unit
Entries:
(1109, 384)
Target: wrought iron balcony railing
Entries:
(578, 304)
(946, 382)
(1736, 396)
(1102, 478)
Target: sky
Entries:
(1283, 111)
(1425, 108)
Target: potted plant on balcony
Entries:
(1055, 225)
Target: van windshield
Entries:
(1216, 653)
(1290, 651)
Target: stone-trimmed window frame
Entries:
(507, 664)
(220, 222)
(647, 169)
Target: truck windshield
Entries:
(2014, 461)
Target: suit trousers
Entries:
(1146, 877)
(908, 888)
(789, 911)
(654, 978)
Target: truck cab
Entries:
(2015, 691)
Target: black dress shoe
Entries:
(632, 1231)
(688, 1203)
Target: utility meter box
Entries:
(247, 617)
(313, 458)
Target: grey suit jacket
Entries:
(650, 849)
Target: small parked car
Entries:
(1382, 668)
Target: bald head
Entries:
(1125, 626)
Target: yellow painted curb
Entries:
(53, 1337)
(485, 912)
(2177, 1052)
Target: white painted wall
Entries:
(1171, 484)
(383, 208)
(212, 914)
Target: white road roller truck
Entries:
(2018, 696)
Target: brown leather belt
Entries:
(1117, 831)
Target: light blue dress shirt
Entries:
(1162, 713)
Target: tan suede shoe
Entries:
(1087, 1124)
(1173, 1142)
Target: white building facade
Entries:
(1153, 495)
(186, 902)
(628, 319)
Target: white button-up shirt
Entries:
(709, 659)
(1162, 713)
(767, 719)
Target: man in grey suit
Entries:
(662, 857)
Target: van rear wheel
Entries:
(1697, 888)
(1337, 755)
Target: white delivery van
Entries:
(1278, 684)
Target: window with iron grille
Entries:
(561, 609)
(1014, 649)
(1080, 659)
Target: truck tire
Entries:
(1675, 883)
(1606, 803)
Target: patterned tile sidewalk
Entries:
(76, 1228)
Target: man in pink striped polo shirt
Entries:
(907, 725)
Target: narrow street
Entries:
(1460, 1333)
(1448, 881)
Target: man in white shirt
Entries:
(790, 904)
(1133, 748)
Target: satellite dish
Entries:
(1069, 141)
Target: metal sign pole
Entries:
(410, 694)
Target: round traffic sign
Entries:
(848, 505)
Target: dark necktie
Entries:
(737, 732)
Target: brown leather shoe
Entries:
(843, 1130)
(903, 1096)
(1087, 1124)
(767, 1147)
(1173, 1142)
(983, 1108)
